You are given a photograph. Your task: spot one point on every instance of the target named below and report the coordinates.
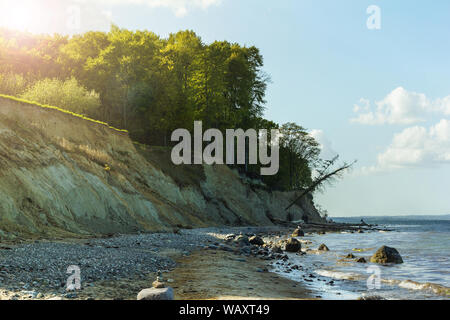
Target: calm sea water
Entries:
(424, 244)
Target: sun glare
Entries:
(20, 15)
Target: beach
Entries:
(119, 267)
(207, 264)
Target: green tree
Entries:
(300, 152)
(129, 59)
(78, 51)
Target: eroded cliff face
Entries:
(63, 176)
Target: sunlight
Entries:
(21, 18)
(21, 15)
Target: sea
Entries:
(422, 241)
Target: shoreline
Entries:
(221, 275)
(119, 267)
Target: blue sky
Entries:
(323, 60)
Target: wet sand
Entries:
(218, 275)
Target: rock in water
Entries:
(298, 233)
(350, 256)
(361, 260)
(293, 245)
(386, 255)
(256, 240)
(323, 247)
(156, 294)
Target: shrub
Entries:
(67, 95)
(13, 84)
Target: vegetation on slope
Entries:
(150, 86)
(60, 110)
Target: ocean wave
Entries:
(339, 275)
(405, 284)
(435, 288)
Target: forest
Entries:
(150, 86)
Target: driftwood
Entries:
(329, 227)
(318, 182)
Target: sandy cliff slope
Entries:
(64, 176)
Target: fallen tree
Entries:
(324, 176)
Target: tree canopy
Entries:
(151, 86)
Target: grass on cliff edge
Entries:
(60, 110)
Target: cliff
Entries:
(66, 176)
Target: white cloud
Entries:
(400, 107)
(327, 151)
(416, 147)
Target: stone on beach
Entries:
(386, 255)
(156, 294)
(293, 245)
(370, 298)
(298, 233)
(277, 249)
(323, 247)
(158, 284)
(230, 237)
(241, 240)
(255, 240)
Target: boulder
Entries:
(230, 237)
(293, 245)
(323, 247)
(386, 255)
(277, 249)
(255, 240)
(360, 231)
(361, 260)
(156, 294)
(241, 240)
(298, 233)
(350, 256)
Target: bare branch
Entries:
(323, 178)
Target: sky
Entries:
(370, 85)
